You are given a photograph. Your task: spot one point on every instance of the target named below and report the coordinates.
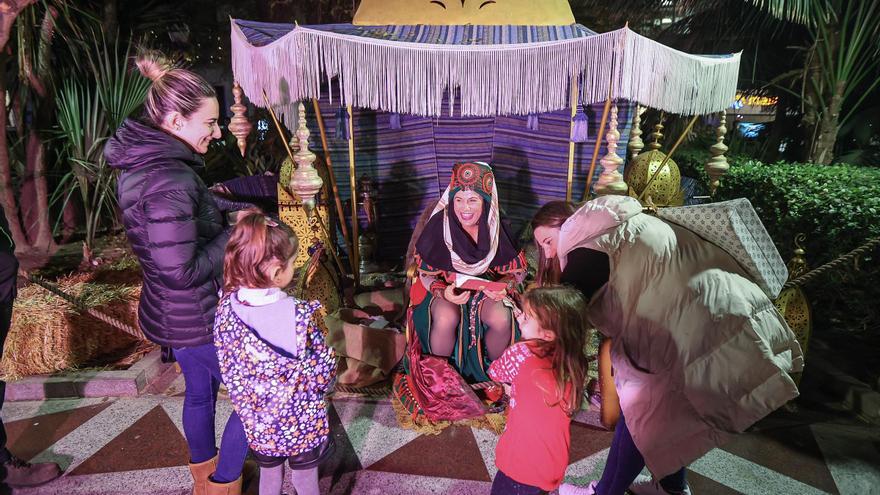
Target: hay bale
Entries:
(49, 335)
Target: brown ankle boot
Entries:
(200, 473)
(232, 488)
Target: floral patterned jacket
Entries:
(279, 397)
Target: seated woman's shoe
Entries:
(500, 405)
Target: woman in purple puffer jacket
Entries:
(177, 232)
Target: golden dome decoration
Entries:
(792, 302)
(665, 190)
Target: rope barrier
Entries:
(831, 265)
(367, 391)
(80, 305)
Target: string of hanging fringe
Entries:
(510, 79)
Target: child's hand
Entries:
(507, 388)
(220, 189)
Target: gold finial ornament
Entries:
(798, 264)
(611, 181)
(239, 125)
(717, 166)
(792, 302)
(285, 173)
(657, 135)
(635, 137)
(305, 182)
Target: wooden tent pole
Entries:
(278, 127)
(355, 255)
(598, 141)
(573, 104)
(333, 186)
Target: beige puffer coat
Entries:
(699, 351)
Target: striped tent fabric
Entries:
(411, 166)
(263, 33)
(531, 166)
(401, 162)
(458, 139)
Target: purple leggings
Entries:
(201, 372)
(625, 462)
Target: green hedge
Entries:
(837, 208)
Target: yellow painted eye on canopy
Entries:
(460, 12)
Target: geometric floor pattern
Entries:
(136, 446)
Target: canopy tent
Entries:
(498, 70)
(497, 93)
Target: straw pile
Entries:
(49, 335)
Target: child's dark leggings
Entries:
(505, 485)
(625, 462)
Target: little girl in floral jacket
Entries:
(273, 357)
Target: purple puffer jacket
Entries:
(175, 229)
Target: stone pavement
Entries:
(135, 445)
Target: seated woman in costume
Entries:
(454, 334)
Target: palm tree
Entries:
(37, 64)
(29, 227)
(842, 55)
(90, 109)
(834, 67)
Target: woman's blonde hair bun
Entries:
(153, 64)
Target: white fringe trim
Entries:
(518, 79)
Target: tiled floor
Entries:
(136, 446)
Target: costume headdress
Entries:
(475, 176)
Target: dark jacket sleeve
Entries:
(172, 236)
(228, 205)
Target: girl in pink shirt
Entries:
(546, 373)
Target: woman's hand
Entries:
(495, 296)
(450, 295)
(220, 189)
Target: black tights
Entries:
(445, 319)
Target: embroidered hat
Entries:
(472, 176)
